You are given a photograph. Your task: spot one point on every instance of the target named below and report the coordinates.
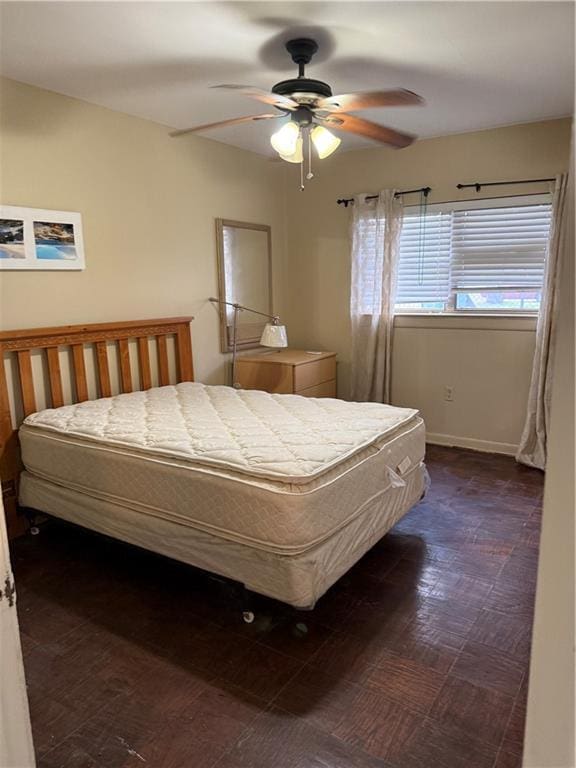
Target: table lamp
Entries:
(273, 335)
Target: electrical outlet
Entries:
(449, 394)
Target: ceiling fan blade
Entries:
(346, 102)
(222, 123)
(352, 124)
(267, 97)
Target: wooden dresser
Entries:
(289, 371)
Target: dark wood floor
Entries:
(417, 658)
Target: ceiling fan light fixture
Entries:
(324, 141)
(285, 141)
(298, 155)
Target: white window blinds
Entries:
(500, 247)
(424, 269)
(482, 245)
(494, 245)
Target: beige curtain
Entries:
(533, 443)
(376, 230)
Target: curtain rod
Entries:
(472, 199)
(477, 185)
(346, 201)
(496, 197)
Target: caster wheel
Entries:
(34, 530)
(248, 617)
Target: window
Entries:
(485, 255)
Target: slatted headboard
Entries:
(127, 336)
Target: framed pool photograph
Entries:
(36, 238)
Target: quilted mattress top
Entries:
(284, 437)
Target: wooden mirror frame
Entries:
(250, 341)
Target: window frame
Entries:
(508, 201)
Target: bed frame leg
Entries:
(247, 603)
(32, 516)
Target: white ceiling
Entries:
(477, 64)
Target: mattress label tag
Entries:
(404, 465)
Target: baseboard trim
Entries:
(486, 446)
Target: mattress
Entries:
(278, 473)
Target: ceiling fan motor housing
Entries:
(304, 90)
(300, 87)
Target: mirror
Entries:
(244, 277)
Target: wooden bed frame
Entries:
(78, 338)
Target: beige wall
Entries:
(551, 707)
(488, 364)
(489, 368)
(148, 205)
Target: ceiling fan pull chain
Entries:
(302, 174)
(309, 175)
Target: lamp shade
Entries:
(324, 141)
(298, 156)
(274, 336)
(284, 141)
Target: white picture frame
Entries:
(40, 239)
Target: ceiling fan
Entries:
(311, 109)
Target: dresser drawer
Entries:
(313, 373)
(288, 371)
(269, 378)
(326, 389)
